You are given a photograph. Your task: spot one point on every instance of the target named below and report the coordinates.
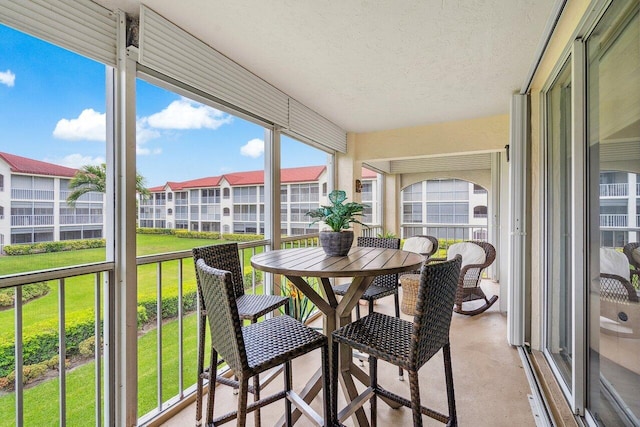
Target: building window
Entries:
(169, 196)
(1, 182)
(226, 212)
(478, 189)
(480, 212)
(226, 193)
(169, 211)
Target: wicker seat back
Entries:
(388, 280)
(224, 321)
(434, 309)
(224, 257)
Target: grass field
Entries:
(41, 401)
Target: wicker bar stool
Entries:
(406, 344)
(250, 350)
(381, 286)
(250, 307)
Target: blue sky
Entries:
(52, 108)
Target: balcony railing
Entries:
(80, 219)
(174, 298)
(613, 220)
(27, 220)
(614, 190)
(448, 232)
(30, 194)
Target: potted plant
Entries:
(338, 217)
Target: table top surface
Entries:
(314, 262)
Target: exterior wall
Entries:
(562, 36)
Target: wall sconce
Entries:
(358, 186)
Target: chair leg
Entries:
(334, 382)
(200, 369)
(243, 388)
(415, 398)
(326, 398)
(396, 300)
(358, 310)
(373, 375)
(371, 306)
(256, 397)
(213, 366)
(287, 386)
(448, 374)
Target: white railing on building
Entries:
(613, 220)
(372, 231)
(447, 232)
(31, 194)
(80, 219)
(614, 190)
(24, 220)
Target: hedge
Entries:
(58, 246)
(29, 292)
(144, 230)
(40, 340)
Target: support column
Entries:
(347, 170)
(121, 302)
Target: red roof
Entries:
(288, 175)
(20, 164)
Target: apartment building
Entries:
(446, 209)
(619, 208)
(234, 202)
(33, 205)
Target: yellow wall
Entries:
(485, 134)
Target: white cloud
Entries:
(253, 148)
(89, 126)
(7, 78)
(77, 160)
(186, 114)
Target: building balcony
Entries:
(28, 220)
(614, 190)
(490, 383)
(614, 220)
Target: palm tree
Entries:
(93, 178)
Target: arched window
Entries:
(226, 211)
(480, 212)
(226, 193)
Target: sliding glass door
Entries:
(613, 106)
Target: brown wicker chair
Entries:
(629, 250)
(469, 282)
(381, 286)
(250, 307)
(406, 344)
(414, 241)
(248, 352)
(619, 307)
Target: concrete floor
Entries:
(490, 384)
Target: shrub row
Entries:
(59, 246)
(186, 234)
(29, 292)
(40, 340)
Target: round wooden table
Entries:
(362, 265)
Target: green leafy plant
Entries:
(387, 235)
(339, 215)
(300, 306)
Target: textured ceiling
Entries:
(374, 65)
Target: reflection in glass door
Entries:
(613, 102)
(559, 338)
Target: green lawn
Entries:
(41, 403)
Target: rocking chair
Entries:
(632, 251)
(476, 257)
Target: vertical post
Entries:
(493, 220)
(518, 279)
(272, 197)
(121, 301)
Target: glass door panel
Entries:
(559, 339)
(613, 101)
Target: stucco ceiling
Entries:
(374, 65)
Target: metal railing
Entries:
(614, 190)
(614, 220)
(80, 219)
(372, 231)
(31, 194)
(159, 267)
(22, 220)
(447, 231)
(101, 273)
